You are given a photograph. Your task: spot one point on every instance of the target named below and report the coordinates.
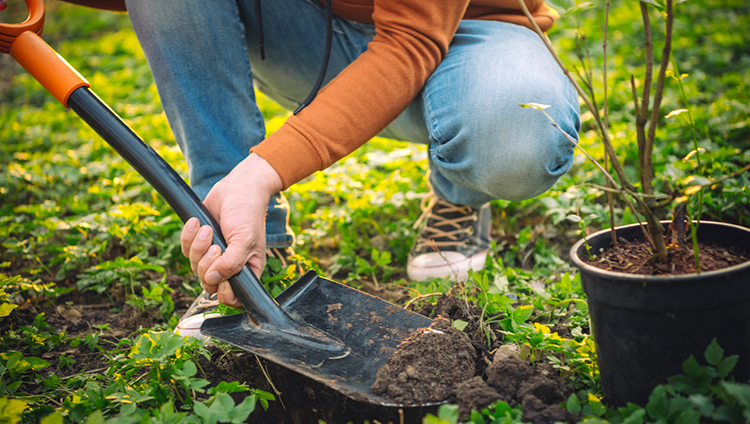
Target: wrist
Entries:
(257, 172)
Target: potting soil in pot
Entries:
(427, 366)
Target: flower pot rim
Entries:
(745, 266)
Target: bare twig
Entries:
(610, 197)
(724, 178)
(647, 173)
(623, 191)
(422, 297)
(642, 115)
(604, 132)
(268, 378)
(620, 191)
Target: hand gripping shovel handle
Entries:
(22, 41)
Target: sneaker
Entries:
(199, 311)
(454, 240)
(205, 305)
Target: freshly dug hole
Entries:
(427, 366)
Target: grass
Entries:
(74, 218)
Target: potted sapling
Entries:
(658, 290)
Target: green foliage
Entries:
(75, 216)
(11, 410)
(704, 393)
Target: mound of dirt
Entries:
(436, 364)
(427, 366)
(538, 388)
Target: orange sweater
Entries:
(412, 37)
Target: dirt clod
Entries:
(506, 375)
(537, 412)
(427, 366)
(474, 395)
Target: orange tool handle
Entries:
(23, 42)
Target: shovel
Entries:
(329, 332)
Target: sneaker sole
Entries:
(457, 270)
(191, 326)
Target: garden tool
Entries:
(324, 330)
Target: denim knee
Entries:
(507, 151)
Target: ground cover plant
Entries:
(92, 279)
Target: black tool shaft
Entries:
(176, 192)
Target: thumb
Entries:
(228, 264)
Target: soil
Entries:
(427, 366)
(457, 368)
(636, 257)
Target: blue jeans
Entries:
(205, 60)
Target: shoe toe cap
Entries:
(436, 259)
(191, 326)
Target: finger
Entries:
(227, 297)
(212, 253)
(199, 247)
(228, 264)
(188, 234)
(257, 263)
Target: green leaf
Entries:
(239, 413)
(459, 324)
(228, 387)
(189, 368)
(636, 417)
(14, 361)
(675, 112)
(726, 414)
(688, 417)
(449, 413)
(96, 417)
(657, 403)
(204, 413)
(740, 391)
(37, 363)
(522, 313)
(11, 409)
(574, 218)
(654, 3)
(727, 365)
(6, 309)
(53, 418)
(477, 418)
(696, 372)
(714, 353)
(579, 7)
(704, 404)
(596, 405)
(574, 405)
(537, 106)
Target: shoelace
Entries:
(278, 254)
(433, 210)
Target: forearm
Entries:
(412, 39)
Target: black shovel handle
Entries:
(177, 194)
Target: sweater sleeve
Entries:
(412, 37)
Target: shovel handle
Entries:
(22, 41)
(34, 23)
(178, 195)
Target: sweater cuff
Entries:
(291, 153)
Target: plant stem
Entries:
(610, 197)
(647, 173)
(604, 132)
(642, 112)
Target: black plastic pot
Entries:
(645, 327)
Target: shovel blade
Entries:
(368, 330)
